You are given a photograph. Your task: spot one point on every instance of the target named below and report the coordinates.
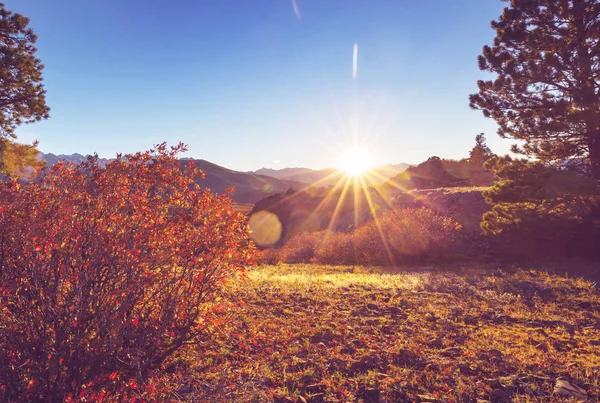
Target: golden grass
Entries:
(309, 333)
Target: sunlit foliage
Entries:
(106, 272)
(545, 92)
(22, 94)
(17, 158)
(400, 235)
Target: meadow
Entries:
(312, 333)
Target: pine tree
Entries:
(22, 94)
(15, 157)
(480, 152)
(546, 56)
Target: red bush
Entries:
(108, 271)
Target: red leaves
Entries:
(118, 261)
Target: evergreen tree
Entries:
(480, 153)
(22, 94)
(15, 157)
(546, 56)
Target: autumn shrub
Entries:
(301, 247)
(336, 248)
(400, 235)
(106, 272)
(270, 256)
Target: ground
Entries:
(346, 334)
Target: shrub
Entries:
(106, 272)
(301, 248)
(268, 256)
(543, 211)
(407, 235)
(401, 235)
(336, 248)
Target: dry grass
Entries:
(347, 334)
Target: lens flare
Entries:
(296, 10)
(265, 228)
(355, 61)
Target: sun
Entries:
(355, 162)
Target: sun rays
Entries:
(355, 199)
(355, 162)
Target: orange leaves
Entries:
(105, 255)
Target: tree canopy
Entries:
(22, 94)
(480, 152)
(546, 55)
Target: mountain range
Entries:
(332, 177)
(251, 187)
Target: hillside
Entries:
(249, 187)
(76, 158)
(330, 176)
(437, 173)
(466, 205)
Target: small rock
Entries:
(567, 389)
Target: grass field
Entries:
(342, 334)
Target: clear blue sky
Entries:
(247, 83)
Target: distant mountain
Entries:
(52, 159)
(249, 187)
(330, 176)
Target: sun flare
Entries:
(355, 162)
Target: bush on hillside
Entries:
(301, 248)
(401, 235)
(541, 210)
(106, 272)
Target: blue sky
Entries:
(250, 83)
